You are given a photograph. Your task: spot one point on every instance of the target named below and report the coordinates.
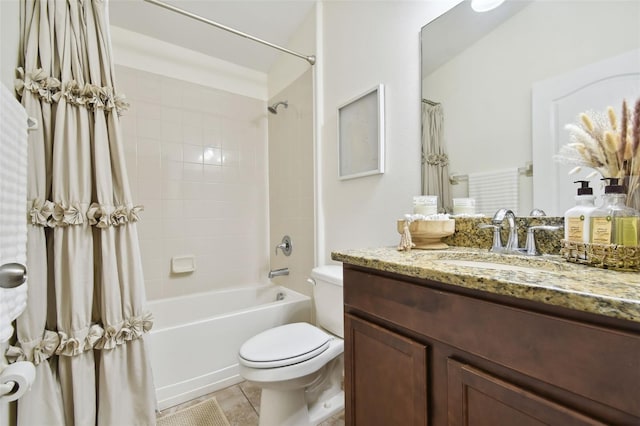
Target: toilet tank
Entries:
(328, 299)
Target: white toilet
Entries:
(300, 366)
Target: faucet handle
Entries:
(537, 213)
(496, 245)
(286, 246)
(530, 246)
(488, 225)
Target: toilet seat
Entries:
(285, 345)
(268, 377)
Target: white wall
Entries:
(364, 44)
(291, 200)
(141, 52)
(288, 68)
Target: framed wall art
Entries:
(361, 135)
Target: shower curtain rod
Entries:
(311, 59)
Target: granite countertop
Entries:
(548, 279)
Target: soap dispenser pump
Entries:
(614, 222)
(577, 220)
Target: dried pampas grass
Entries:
(610, 146)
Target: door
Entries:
(385, 376)
(480, 399)
(557, 102)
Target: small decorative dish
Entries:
(428, 234)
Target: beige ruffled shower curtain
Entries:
(84, 323)
(434, 156)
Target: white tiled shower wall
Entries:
(197, 160)
(291, 182)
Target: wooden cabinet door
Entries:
(385, 376)
(477, 398)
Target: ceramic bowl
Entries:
(427, 234)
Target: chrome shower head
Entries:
(273, 109)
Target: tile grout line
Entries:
(249, 401)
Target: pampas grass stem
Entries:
(635, 129)
(586, 120)
(613, 120)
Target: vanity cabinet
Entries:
(420, 352)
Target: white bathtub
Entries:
(195, 339)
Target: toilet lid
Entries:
(284, 345)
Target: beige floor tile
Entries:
(236, 407)
(241, 404)
(252, 392)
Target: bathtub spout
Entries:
(278, 272)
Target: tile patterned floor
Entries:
(241, 405)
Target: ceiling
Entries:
(271, 20)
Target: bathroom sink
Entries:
(481, 264)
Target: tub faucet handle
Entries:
(285, 246)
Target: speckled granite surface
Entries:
(547, 279)
(469, 234)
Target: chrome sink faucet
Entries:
(512, 242)
(498, 218)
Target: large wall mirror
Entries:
(499, 86)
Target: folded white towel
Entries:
(436, 216)
(495, 190)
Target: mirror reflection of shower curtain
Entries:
(435, 162)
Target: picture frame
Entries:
(361, 135)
